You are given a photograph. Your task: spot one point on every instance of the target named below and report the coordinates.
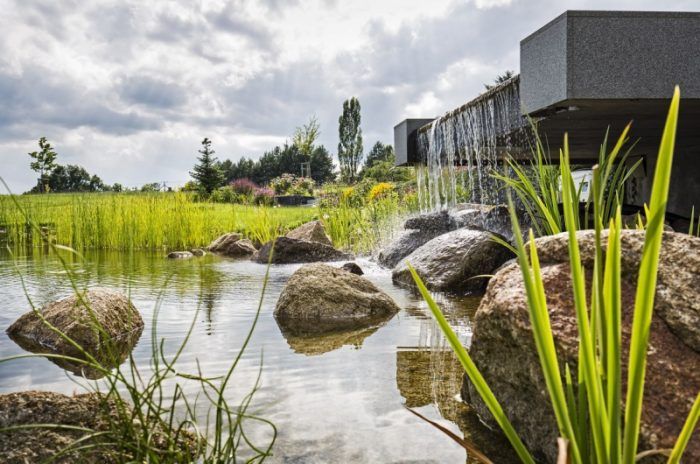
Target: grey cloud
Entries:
(155, 93)
(38, 96)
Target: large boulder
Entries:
(403, 245)
(120, 326)
(232, 245)
(319, 299)
(311, 232)
(438, 222)
(451, 262)
(503, 347)
(287, 250)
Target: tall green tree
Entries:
(322, 168)
(44, 162)
(206, 172)
(350, 135)
(305, 136)
(378, 153)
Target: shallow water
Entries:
(333, 399)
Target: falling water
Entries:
(460, 150)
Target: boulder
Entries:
(90, 411)
(311, 232)
(232, 245)
(438, 222)
(403, 245)
(503, 347)
(290, 250)
(352, 267)
(121, 326)
(450, 262)
(180, 255)
(198, 252)
(320, 299)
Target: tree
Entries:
(44, 164)
(350, 135)
(117, 187)
(379, 152)
(322, 168)
(72, 178)
(305, 136)
(500, 79)
(206, 172)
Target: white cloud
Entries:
(129, 88)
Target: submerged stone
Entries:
(180, 255)
(504, 351)
(108, 330)
(352, 267)
(320, 299)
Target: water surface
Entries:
(333, 399)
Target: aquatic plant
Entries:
(589, 414)
(146, 414)
(154, 221)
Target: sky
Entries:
(128, 89)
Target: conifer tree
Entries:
(207, 172)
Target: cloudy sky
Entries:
(129, 88)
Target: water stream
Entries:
(460, 149)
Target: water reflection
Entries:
(334, 398)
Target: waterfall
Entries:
(461, 149)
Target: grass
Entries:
(589, 414)
(155, 221)
(147, 414)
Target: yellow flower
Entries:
(380, 190)
(347, 192)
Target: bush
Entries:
(244, 186)
(289, 184)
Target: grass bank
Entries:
(147, 221)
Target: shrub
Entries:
(381, 190)
(244, 186)
(289, 184)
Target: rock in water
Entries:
(450, 261)
(121, 326)
(290, 250)
(319, 299)
(232, 245)
(198, 252)
(352, 267)
(438, 222)
(403, 245)
(90, 411)
(180, 255)
(311, 232)
(503, 347)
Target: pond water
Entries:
(333, 399)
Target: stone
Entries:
(198, 252)
(504, 351)
(438, 222)
(312, 232)
(319, 298)
(38, 444)
(352, 267)
(290, 250)
(121, 326)
(491, 218)
(232, 245)
(450, 262)
(180, 255)
(403, 245)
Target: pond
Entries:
(332, 399)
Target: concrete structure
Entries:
(586, 71)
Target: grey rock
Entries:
(352, 267)
(120, 327)
(403, 245)
(319, 298)
(180, 255)
(437, 222)
(232, 245)
(450, 261)
(503, 348)
(289, 250)
(311, 231)
(198, 252)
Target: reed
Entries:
(148, 221)
(589, 413)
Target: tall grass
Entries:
(589, 415)
(155, 221)
(147, 415)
